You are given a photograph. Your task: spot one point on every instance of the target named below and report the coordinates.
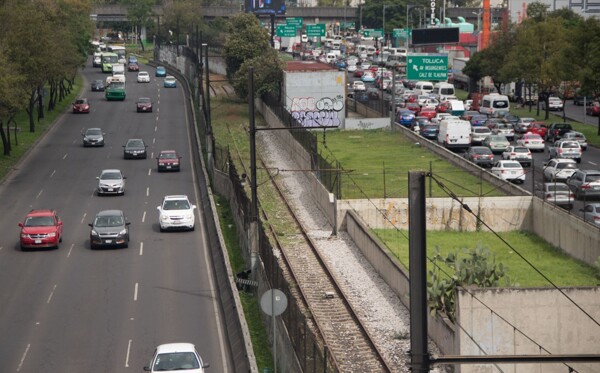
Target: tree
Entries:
(247, 39)
(535, 56)
(12, 98)
(537, 11)
(268, 74)
(139, 13)
(584, 54)
(180, 17)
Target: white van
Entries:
(494, 102)
(443, 90)
(336, 44)
(330, 57)
(455, 133)
(423, 88)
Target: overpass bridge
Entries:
(106, 13)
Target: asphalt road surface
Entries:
(75, 310)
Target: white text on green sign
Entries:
(294, 21)
(427, 67)
(286, 31)
(315, 30)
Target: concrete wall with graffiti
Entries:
(316, 98)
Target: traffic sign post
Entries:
(317, 30)
(294, 21)
(286, 31)
(402, 33)
(427, 67)
(375, 33)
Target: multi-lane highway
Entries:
(74, 309)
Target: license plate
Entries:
(38, 241)
(108, 241)
(513, 172)
(168, 166)
(110, 189)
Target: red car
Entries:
(413, 106)
(41, 229)
(144, 105)
(443, 107)
(81, 105)
(428, 112)
(539, 128)
(593, 109)
(133, 66)
(168, 160)
(359, 73)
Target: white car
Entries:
(509, 171)
(559, 169)
(176, 212)
(565, 149)
(518, 153)
(143, 77)
(523, 124)
(176, 357)
(554, 103)
(576, 136)
(358, 85)
(532, 142)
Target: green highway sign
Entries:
(427, 67)
(402, 33)
(375, 33)
(286, 31)
(315, 30)
(347, 25)
(294, 21)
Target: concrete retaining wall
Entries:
(579, 239)
(543, 315)
(500, 213)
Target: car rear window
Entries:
(594, 177)
(566, 165)
(557, 187)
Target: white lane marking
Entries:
(147, 191)
(152, 155)
(157, 110)
(83, 217)
(141, 248)
(135, 292)
(155, 128)
(51, 294)
(127, 357)
(592, 163)
(144, 217)
(65, 156)
(154, 141)
(39, 194)
(150, 170)
(23, 358)
(53, 172)
(70, 249)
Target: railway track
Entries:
(342, 331)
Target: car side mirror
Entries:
(97, 178)
(20, 224)
(124, 177)
(205, 365)
(127, 223)
(60, 223)
(158, 208)
(123, 145)
(147, 369)
(91, 225)
(193, 206)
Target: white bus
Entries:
(120, 51)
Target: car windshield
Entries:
(39, 221)
(590, 178)
(567, 165)
(521, 150)
(144, 100)
(135, 144)
(176, 361)
(482, 150)
(80, 101)
(167, 155)
(481, 130)
(178, 204)
(512, 165)
(108, 221)
(93, 132)
(499, 138)
(570, 145)
(111, 176)
(143, 73)
(557, 187)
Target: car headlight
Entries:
(94, 233)
(164, 217)
(123, 232)
(24, 235)
(52, 234)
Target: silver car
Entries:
(576, 136)
(93, 137)
(505, 129)
(591, 213)
(585, 184)
(559, 169)
(111, 181)
(557, 193)
(565, 149)
(110, 228)
(478, 134)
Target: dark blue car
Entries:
(405, 117)
(478, 120)
(430, 131)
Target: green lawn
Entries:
(377, 164)
(556, 265)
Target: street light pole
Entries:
(384, 43)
